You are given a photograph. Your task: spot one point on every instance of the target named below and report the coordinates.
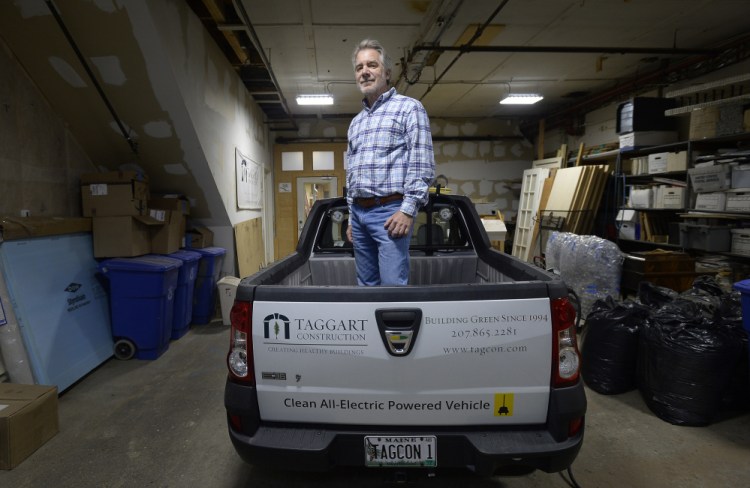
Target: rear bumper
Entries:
(320, 448)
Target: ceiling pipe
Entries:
(258, 47)
(467, 48)
(125, 133)
(476, 36)
(736, 51)
(432, 30)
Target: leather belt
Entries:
(372, 201)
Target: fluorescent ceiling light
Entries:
(314, 100)
(521, 99)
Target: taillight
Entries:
(240, 357)
(566, 360)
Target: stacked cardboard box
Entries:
(126, 222)
(28, 419)
(172, 210)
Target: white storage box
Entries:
(642, 198)
(628, 224)
(657, 163)
(710, 178)
(711, 201)
(227, 291)
(741, 241)
(667, 162)
(632, 140)
(738, 201)
(671, 197)
(741, 176)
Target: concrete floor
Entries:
(161, 423)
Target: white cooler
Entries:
(227, 291)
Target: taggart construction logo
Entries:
(274, 324)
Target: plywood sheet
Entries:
(564, 189)
(251, 254)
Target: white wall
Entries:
(210, 108)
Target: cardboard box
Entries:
(198, 237)
(718, 121)
(115, 177)
(677, 161)
(170, 202)
(28, 419)
(167, 238)
(123, 236)
(12, 228)
(114, 193)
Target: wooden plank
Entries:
(218, 15)
(248, 238)
(546, 190)
(597, 190)
(580, 154)
(577, 203)
(566, 182)
(540, 141)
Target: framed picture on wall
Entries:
(249, 182)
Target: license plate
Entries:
(401, 451)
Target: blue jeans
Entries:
(379, 258)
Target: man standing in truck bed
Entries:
(390, 165)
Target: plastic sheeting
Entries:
(13, 350)
(589, 265)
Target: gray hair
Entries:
(384, 57)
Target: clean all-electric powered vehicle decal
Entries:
(425, 363)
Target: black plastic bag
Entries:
(685, 363)
(708, 284)
(610, 345)
(654, 295)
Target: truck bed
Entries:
(461, 361)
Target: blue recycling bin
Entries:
(204, 296)
(744, 288)
(142, 291)
(183, 298)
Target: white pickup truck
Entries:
(473, 364)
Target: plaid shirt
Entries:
(390, 151)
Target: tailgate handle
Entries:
(399, 328)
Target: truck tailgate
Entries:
(430, 363)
